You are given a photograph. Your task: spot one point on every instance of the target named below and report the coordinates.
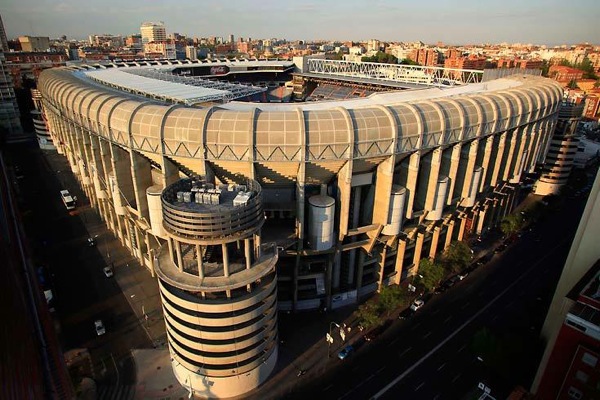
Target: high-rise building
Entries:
(570, 367)
(10, 122)
(3, 39)
(191, 53)
(153, 32)
(231, 39)
(34, 43)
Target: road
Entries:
(82, 292)
(437, 354)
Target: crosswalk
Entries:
(121, 392)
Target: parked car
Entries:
(417, 304)
(91, 241)
(100, 329)
(500, 248)
(108, 272)
(345, 352)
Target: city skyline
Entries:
(464, 22)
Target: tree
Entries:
(572, 84)
(511, 224)
(430, 274)
(391, 297)
(457, 256)
(408, 61)
(381, 57)
(368, 315)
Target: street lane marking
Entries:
(464, 306)
(404, 352)
(467, 322)
(437, 310)
(427, 335)
(393, 341)
(441, 366)
(448, 319)
(326, 388)
(356, 368)
(420, 386)
(415, 326)
(379, 370)
(462, 348)
(456, 378)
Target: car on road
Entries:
(463, 275)
(500, 248)
(100, 329)
(345, 352)
(417, 304)
(108, 272)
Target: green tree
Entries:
(457, 256)
(572, 84)
(430, 274)
(511, 224)
(368, 315)
(391, 297)
(408, 61)
(381, 57)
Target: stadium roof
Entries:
(157, 84)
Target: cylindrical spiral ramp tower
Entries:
(561, 151)
(218, 287)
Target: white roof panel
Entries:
(169, 90)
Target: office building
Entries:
(3, 39)
(153, 32)
(569, 368)
(34, 43)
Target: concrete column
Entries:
(499, 156)
(434, 242)
(381, 268)
(399, 260)
(509, 166)
(383, 191)
(179, 257)
(432, 181)
(170, 244)
(418, 248)
(461, 229)
(360, 268)
(148, 252)
(257, 252)
(449, 234)
(141, 175)
(471, 158)
(225, 260)
(481, 219)
(247, 252)
(411, 182)
(485, 161)
(453, 170)
(199, 256)
(138, 250)
(295, 273)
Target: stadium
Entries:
(251, 186)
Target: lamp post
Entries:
(329, 336)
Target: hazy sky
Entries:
(451, 21)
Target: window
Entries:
(582, 376)
(574, 394)
(589, 359)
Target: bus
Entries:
(67, 199)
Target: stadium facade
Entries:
(336, 199)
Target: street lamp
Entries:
(329, 336)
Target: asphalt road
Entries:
(437, 354)
(82, 292)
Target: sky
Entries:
(550, 22)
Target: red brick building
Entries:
(562, 73)
(470, 62)
(426, 57)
